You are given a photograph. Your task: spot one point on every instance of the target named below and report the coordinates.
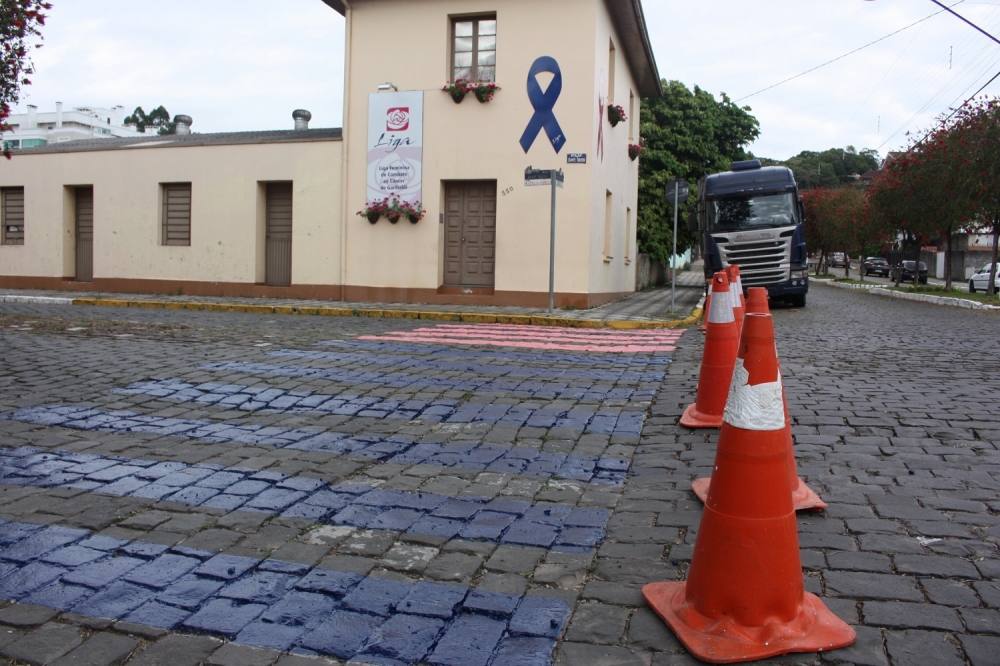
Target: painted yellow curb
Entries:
(468, 317)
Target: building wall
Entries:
(407, 43)
(480, 141)
(226, 218)
(616, 173)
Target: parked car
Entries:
(907, 269)
(876, 266)
(981, 279)
(839, 260)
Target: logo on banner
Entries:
(395, 146)
(397, 119)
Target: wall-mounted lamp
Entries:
(387, 86)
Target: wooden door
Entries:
(84, 234)
(278, 233)
(470, 233)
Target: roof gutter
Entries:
(630, 24)
(345, 9)
(339, 6)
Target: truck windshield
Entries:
(760, 212)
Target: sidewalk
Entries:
(646, 309)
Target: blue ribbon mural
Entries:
(542, 102)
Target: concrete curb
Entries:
(930, 298)
(466, 317)
(905, 296)
(39, 300)
(840, 285)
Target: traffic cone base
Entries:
(700, 488)
(725, 641)
(692, 418)
(804, 498)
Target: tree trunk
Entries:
(990, 287)
(947, 262)
(902, 258)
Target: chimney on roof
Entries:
(58, 115)
(118, 115)
(302, 118)
(32, 121)
(182, 124)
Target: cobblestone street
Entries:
(186, 487)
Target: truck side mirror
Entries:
(693, 220)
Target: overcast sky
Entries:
(246, 64)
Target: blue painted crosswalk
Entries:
(606, 420)
(498, 520)
(275, 604)
(524, 388)
(468, 455)
(593, 402)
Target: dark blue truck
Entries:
(752, 216)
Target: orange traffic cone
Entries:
(744, 597)
(757, 300)
(708, 305)
(717, 360)
(804, 498)
(736, 294)
(739, 285)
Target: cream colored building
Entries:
(274, 213)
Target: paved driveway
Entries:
(388, 491)
(234, 489)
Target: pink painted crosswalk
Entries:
(540, 337)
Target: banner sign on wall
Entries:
(395, 145)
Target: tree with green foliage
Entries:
(907, 196)
(158, 118)
(20, 24)
(839, 219)
(972, 137)
(830, 168)
(685, 134)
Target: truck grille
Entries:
(760, 262)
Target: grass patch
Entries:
(939, 290)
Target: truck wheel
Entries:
(797, 300)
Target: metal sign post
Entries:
(676, 191)
(533, 177)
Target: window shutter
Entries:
(13, 215)
(177, 214)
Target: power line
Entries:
(932, 100)
(950, 11)
(946, 118)
(860, 48)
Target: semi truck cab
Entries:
(751, 216)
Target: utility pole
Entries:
(553, 178)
